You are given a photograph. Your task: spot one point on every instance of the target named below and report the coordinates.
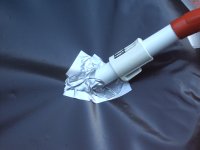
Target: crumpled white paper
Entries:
(82, 85)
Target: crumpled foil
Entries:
(82, 84)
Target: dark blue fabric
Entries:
(39, 40)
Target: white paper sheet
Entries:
(82, 85)
(195, 38)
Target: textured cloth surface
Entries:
(40, 38)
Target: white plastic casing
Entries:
(127, 63)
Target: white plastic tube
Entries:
(106, 74)
(160, 40)
(127, 63)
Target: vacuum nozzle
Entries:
(127, 63)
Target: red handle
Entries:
(187, 24)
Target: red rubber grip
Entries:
(187, 24)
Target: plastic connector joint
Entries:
(127, 63)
